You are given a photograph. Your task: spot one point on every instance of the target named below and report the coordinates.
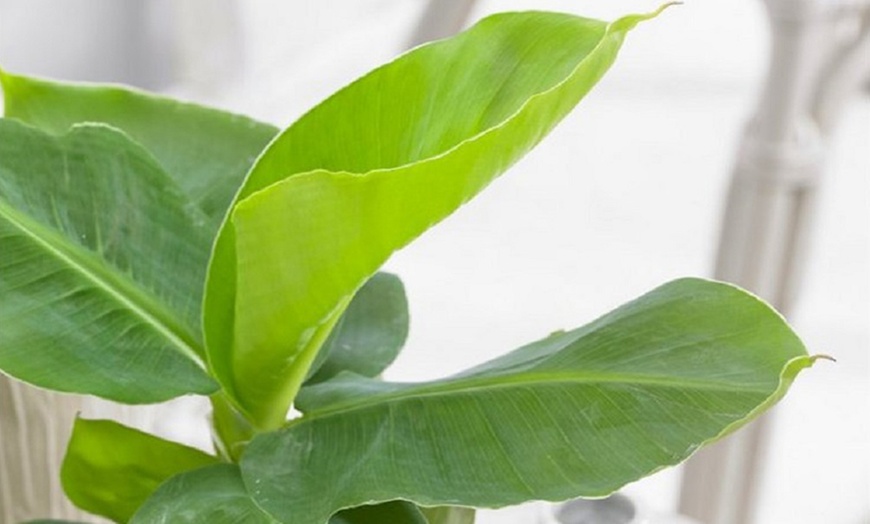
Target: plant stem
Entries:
(274, 415)
(231, 430)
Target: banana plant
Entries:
(153, 248)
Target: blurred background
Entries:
(627, 193)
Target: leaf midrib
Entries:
(130, 296)
(537, 377)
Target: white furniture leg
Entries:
(440, 19)
(763, 242)
(34, 428)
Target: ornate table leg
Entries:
(763, 242)
(34, 428)
(440, 19)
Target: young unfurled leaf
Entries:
(110, 469)
(205, 151)
(369, 170)
(102, 267)
(579, 413)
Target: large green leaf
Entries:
(217, 495)
(211, 495)
(369, 170)
(397, 512)
(102, 267)
(579, 413)
(110, 469)
(206, 152)
(370, 334)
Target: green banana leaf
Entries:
(370, 334)
(216, 495)
(205, 151)
(370, 169)
(102, 267)
(579, 413)
(397, 512)
(110, 469)
(210, 495)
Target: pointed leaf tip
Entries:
(628, 23)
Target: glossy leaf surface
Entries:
(110, 469)
(370, 169)
(580, 413)
(205, 151)
(102, 267)
(370, 334)
(211, 495)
